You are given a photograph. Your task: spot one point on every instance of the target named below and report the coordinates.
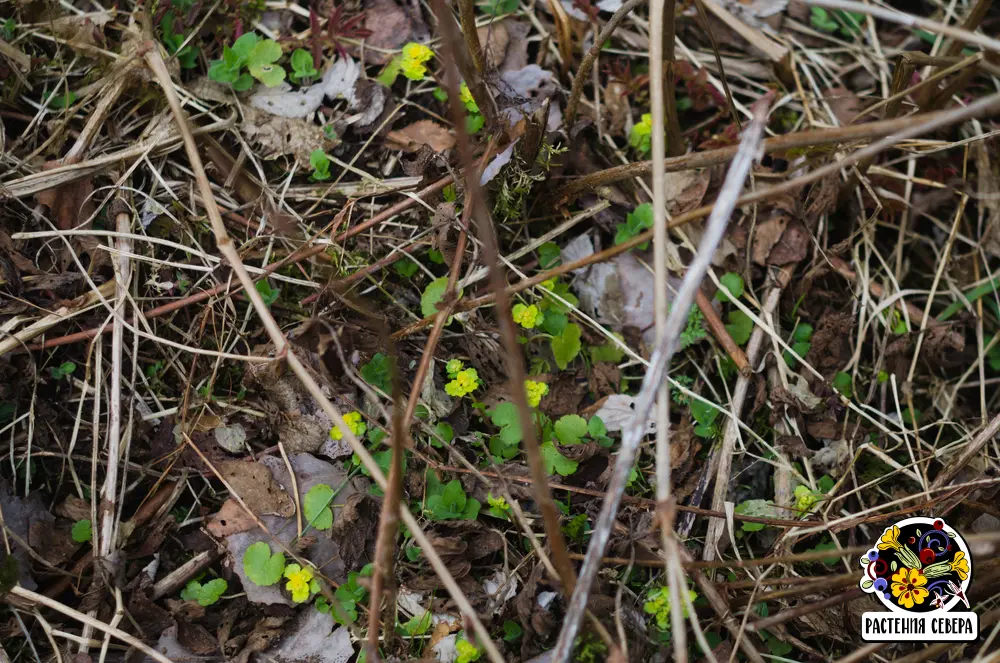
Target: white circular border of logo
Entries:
(922, 520)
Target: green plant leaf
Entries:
(270, 75)
(58, 99)
(506, 418)
(316, 506)
(302, 64)
(63, 370)
(82, 531)
(377, 373)
(740, 326)
(566, 346)
(263, 568)
(555, 462)
(205, 594)
(820, 19)
(498, 7)
(757, 508)
(243, 83)
(391, 73)
(570, 428)
(801, 348)
(803, 333)
(416, 626)
(732, 284)
(266, 51)
(244, 46)
(433, 293)
(511, 630)
(555, 323)
(637, 221)
(473, 123)
(548, 255)
(842, 383)
(596, 427)
(406, 268)
(268, 294)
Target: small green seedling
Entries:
(842, 383)
(261, 567)
(406, 268)
(377, 373)
(186, 54)
(320, 163)
(316, 506)
(258, 55)
(800, 344)
(636, 222)
(205, 594)
(504, 416)
(348, 595)
(641, 135)
(705, 415)
(576, 528)
(55, 99)
(62, 371)
(694, 330)
(267, 293)
(566, 346)
(732, 286)
(548, 255)
(740, 326)
(448, 501)
(498, 7)
(511, 631)
(82, 531)
(303, 69)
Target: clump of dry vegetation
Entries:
(561, 330)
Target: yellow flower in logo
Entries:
(890, 539)
(960, 565)
(908, 586)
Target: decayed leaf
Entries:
(255, 485)
(231, 518)
(70, 203)
(20, 515)
(81, 30)
(313, 639)
(391, 26)
(422, 132)
(617, 410)
(278, 136)
(231, 438)
(766, 234)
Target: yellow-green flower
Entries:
(300, 582)
(641, 135)
(535, 391)
(354, 423)
(453, 367)
(466, 96)
(528, 317)
(498, 506)
(412, 62)
(908, 587)
(890, 539)
(466, 381)
(804, 498)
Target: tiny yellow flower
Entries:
(497, 502)
(528, 317)
(535, 391)
(412, 61)
(299, 582)
(466, 97)
(453, 367)
(804, 498)
(354, 422)
(466, 381)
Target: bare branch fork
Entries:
(656, 374)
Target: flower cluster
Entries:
(528, 317)
(658, 605)
(641, 136)
(300, 582)
(464, 381)
(466, 96)
(354, 422)
(414, 59)
(535, 391)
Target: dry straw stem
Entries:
(659, 363)
(282, 349)
(512, 349)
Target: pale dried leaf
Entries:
(231, 438)
(618, 410)
(256, 487)
(313, 639)
(421, 132)
(231, 518)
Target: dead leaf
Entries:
(391, 26)
(604, 378)
(422, 132)
(619, 111)
(74, 508)
(20, 515)
(793, 245)
(230, 519)
(844, 104)
(494, 39)
(196, 638)
(278, 136)
(356, 527)
(312, 638)
(617, 411)
(255, 485)
(765, 235)
(84, 30)
(69, 203)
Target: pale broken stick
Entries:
(659, 363)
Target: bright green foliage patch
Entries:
(566, 346)
(82, 531)
(261, 567)
(637, 222)
(448, 501)
(316, 506)
(205, 594)
(377, 373)
(258, 56)
(800, 344)
(303, 68)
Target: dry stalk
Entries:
(633, 434)
(227, 248)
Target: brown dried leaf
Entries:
(391, 26)
(69, 203)
(196, 638)
(277, 136)
(765, 236)
(230, 519)
(355, 527)
(422, 132)
(793, 245)
(844, 104)
(254, 483)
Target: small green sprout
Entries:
(448, 501)
(498, 7)
(257, 55)
(267, 293)
(499, 508)
(413, 62)
(566, 346)
(205, 594)
(303, 68)
(377, 373)
(800, 344)
(658, 605)
(641, 136)
(320, 163)
(82, 531)
(62, 371)
(467, 652)
(636, 222)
